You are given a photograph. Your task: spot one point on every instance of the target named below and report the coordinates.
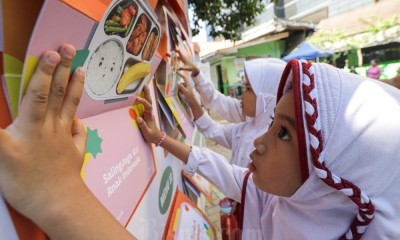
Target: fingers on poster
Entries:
(117, 50)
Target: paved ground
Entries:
(212, 210)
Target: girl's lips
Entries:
(251, 167)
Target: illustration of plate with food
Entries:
(121, 18)
(121, 50)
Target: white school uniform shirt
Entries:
(264, 75)
(226, 107)
(348, 131)
(238, 137)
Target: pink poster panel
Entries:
(119, 165)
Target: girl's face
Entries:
(248, 100)
(275, 162)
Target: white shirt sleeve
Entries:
(220, 133)
(213, 166)
(226, 107)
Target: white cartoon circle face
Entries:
(104, 67)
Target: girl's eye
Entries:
(283, 134)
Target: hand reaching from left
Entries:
(41, 156)
(44, 146)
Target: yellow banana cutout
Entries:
(134, 73)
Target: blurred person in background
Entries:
(374, 71)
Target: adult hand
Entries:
(189, 65)
(45, 146)
(41, 156)
(147, 124)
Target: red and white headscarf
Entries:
(348, 129)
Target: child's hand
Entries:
(152, 134)
(186, 90)
(189, 66)
(44, 147)
(147, 124)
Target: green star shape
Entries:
(93, 144)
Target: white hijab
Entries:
(348, 128)
(264, 75)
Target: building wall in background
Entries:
(337, 7)
(268, 49)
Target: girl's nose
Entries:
(258, 144)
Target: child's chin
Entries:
(257, 179)
(256, 182)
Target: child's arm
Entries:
(213, 166)
(41, 155)
(221, 134)
(226, 107)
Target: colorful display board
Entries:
(201, 184)
(187, 221)
(123, 45)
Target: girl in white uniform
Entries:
(258, 103)
(328, 167)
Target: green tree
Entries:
(225, 17)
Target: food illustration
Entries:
(121, 18)
(120, 51)
(136, 72)
(151, 45)
(138, 36)
(104, 67)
